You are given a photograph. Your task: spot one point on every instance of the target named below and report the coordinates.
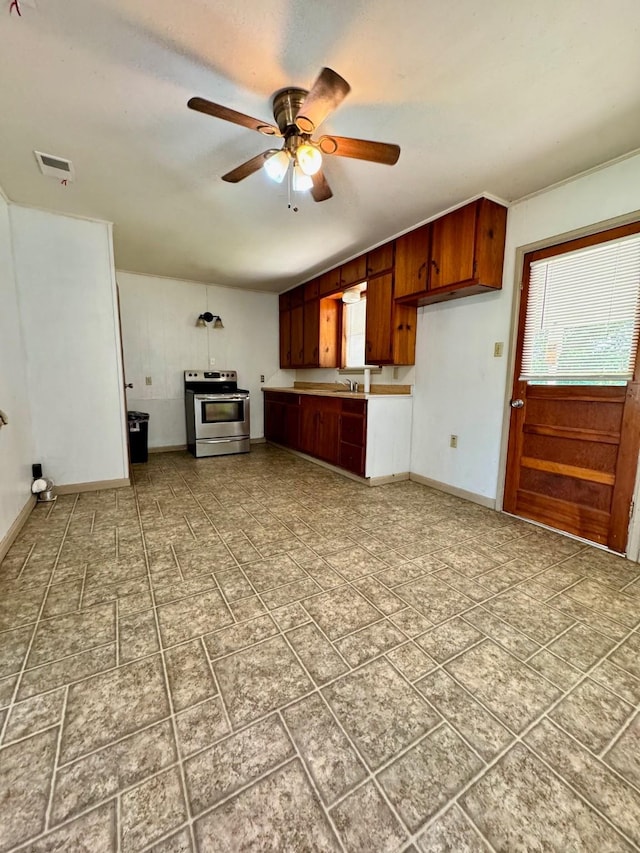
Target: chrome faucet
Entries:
(350, 383)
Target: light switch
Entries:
(498, 349)
(453, 441)
(147, 380)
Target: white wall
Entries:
(16, 447)
(460, 387)
(66, 286)
(160, 340)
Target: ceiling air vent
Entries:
(55, 167)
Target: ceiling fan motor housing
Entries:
(286, 104)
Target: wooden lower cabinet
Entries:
(320, 427)
(282, 418)
(333, 429)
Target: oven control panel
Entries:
(210, 376)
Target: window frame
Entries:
(562, 248)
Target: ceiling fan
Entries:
(298, 113)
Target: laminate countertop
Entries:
(350, 395)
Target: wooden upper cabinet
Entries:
(297, 296)
(453, 239)
(412, 261)
(380, 260)
(285, 339)
(467, 250)
(330, 282)
(390, 332)
(285, 301)
(312, 289)
(353, 272)
(297, 336)
(462, 255)
(311, 314)
(378, 335)
(321, 331)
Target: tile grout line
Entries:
(167, 688)
(56, 760)
(623, 728)
(328, 816)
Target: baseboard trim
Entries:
(95, 486)
(322, 463)
(490, 503)
(10, 536)
(262, 440)
(389, 478)
(168, 448)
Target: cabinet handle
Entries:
(435, 266)
(422, 269)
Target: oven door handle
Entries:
(220, 398)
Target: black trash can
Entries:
(138, 436)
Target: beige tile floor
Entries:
(254, 654)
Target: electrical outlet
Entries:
(262, 377)
(212, 362)
(147, 380)
(498, 349)
(453, 441)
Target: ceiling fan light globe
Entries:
(309, 158)
(277, 165)
(301, 182)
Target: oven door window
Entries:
(222, 411)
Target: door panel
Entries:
(573, 449)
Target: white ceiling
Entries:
(498, 96)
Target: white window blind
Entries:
(582, 315)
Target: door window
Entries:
(581, 323)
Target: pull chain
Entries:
(289, 189)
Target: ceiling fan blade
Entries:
(320, 190)
(327, 93)
(227, 114)
(360, 149)
(245, 169)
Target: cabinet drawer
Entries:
(354, 407)
(352, 458)
(281, 397)
(353, 429)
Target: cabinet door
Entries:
(296, 296)
(378, 340)
(312, 333)
(330, 282)
(292, 425)
(329, 332)
(380, 260)
(352, 458)
(353, 272)
(274, 412)
(404, 333)
(328, 431)
(308, 423)
(297, 336)
(311, 289)
(412, 259)
(285, 339)
(452, 247)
